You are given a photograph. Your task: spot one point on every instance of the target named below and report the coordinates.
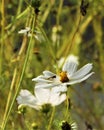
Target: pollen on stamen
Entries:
(63, 77)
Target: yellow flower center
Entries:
(63, 77)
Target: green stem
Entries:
(2, 34)
(69, 47)
(19, 7)
(9, 96)
(51, 119)
(59, 12)
(48, 43)
(20, 81)
(67, 109)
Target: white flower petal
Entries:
(48, 74)
(46, 85)
(60, 88)
(61, 98)
(42, 95)
(28, 28)
(70, 67)
(24, 31)
(81, 72)
(49, 96)
(72, 58)
(26, 98)
(78, 80)
(41, 79)
(53, 96)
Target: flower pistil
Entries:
(63, 77)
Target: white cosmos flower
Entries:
(69, 75)
(41, 97)
(25, 31)
(28, 31)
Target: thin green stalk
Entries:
(69, 47)
(48, 42)
(19, 7)
(20, 81)
(46, 13)
(67, 109)
(51, 119)
(9, 96)
(2, 34)
(59, 12)
(18, 17)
